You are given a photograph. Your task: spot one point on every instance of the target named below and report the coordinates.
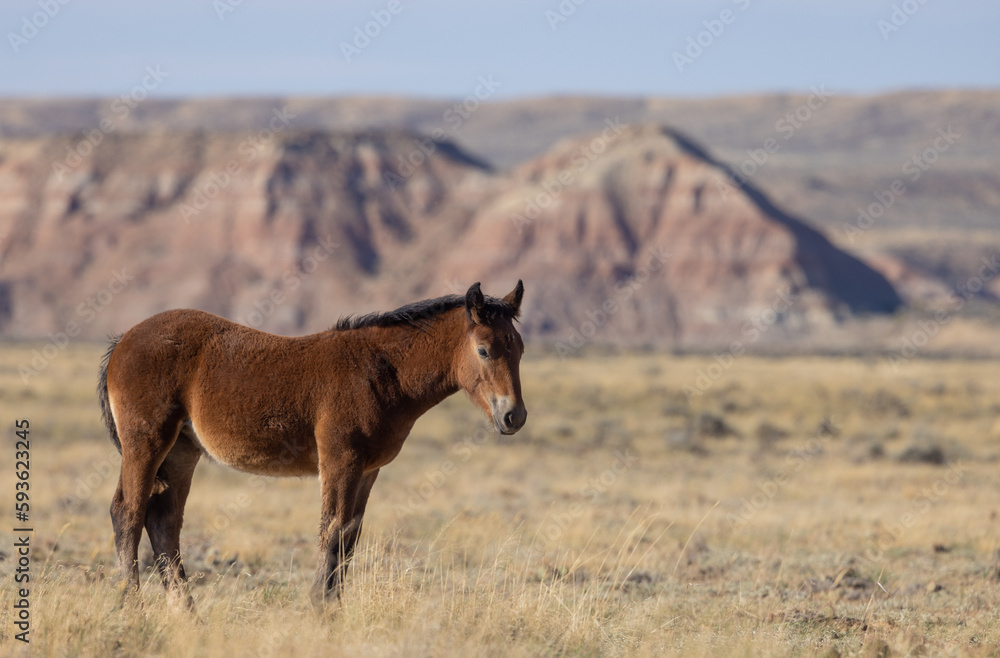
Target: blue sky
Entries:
(439, 48)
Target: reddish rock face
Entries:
(639, 236)
(633, 235)
(285, 234)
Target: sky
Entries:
(446, 48)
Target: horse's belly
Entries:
(261, 453)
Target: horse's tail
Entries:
(102, 393)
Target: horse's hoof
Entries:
(325, 602)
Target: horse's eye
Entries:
(483, 354)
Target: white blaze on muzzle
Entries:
(508, 416)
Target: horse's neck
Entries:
(423, 361)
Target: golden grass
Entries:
(774, 514)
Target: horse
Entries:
(338, 404)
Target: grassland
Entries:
(808, 506)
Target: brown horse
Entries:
(338, 404)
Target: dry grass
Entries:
(623, 520)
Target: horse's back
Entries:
(190, 326)
(193, 352)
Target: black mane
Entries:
(422, 312)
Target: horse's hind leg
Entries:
(142, 454)
(165, 514)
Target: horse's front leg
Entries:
(344, 489)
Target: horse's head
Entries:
(489, 359)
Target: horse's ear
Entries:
(513, 298)
(474, 303)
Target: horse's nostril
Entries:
(508, 419)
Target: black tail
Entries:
(102, 393)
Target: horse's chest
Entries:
(382, 447)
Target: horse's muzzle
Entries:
(508, 416)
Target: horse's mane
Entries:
(425, 311)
